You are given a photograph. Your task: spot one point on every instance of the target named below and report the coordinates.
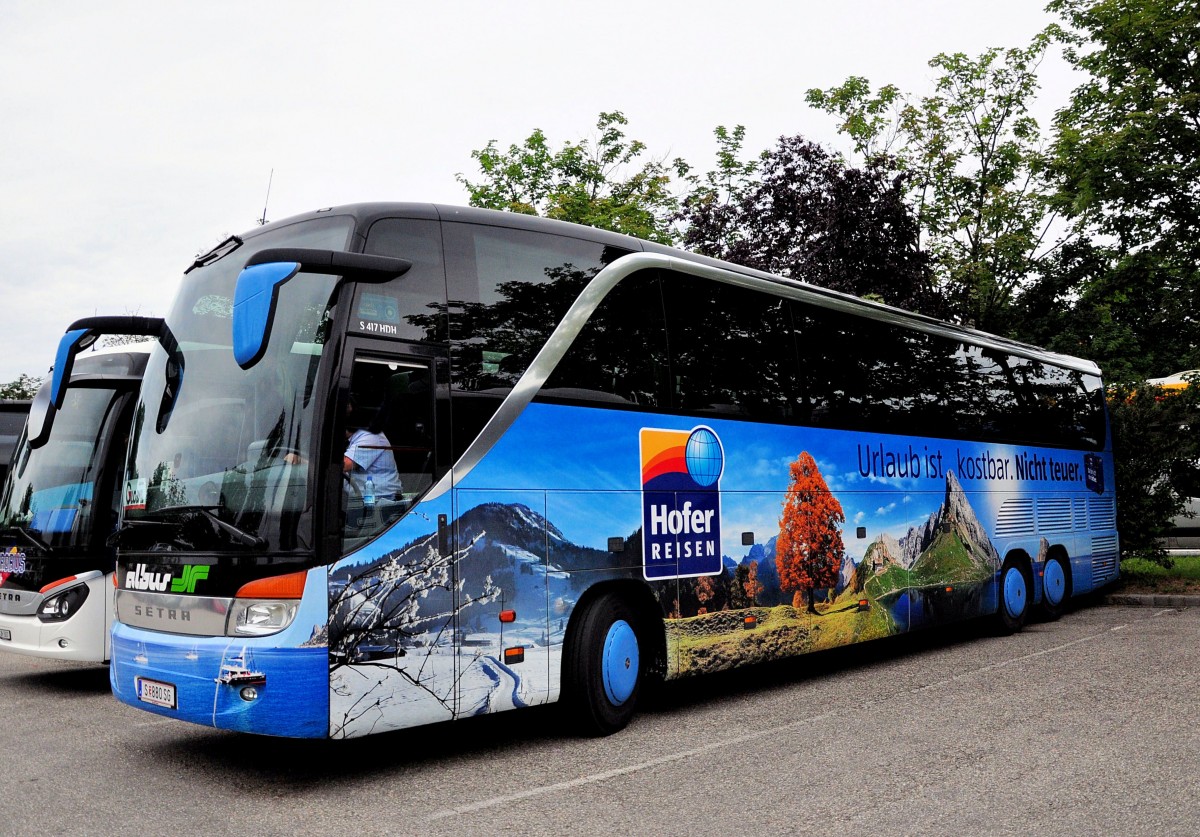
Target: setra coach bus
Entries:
(394, 464)
(60, 504)
(12, 421)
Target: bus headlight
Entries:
(62, 606)
(260, 617)
(266, 605)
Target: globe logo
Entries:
(704, 457)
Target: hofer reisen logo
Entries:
(681, 502)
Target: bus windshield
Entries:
(219, 457)
(50, 491)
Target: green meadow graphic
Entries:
(941, 569)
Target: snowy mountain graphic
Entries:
(505, 556)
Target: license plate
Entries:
(5, 633)
(155, 692)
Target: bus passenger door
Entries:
(392, 595)
(387, 439)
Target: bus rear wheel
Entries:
(603, 669)
(1014, 597)
(1055, 588)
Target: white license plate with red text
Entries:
(155, 692)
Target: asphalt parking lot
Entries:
(1087, 725)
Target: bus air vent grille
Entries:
(1102, 513)
(1081, 518)
(1054, 514)
(1015, 518)
(1104, 559)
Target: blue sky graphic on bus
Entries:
(681, 502)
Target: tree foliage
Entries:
(1126, 163)
(744, 586)
(22, 389)
(124, 340)
(975, 164)
(706, 588)
(751, 586)
(809, 551)
(1127, 160)
(606, 181)
(1131, 313)
(1157, 450)
(799, 211)
(1128, 148)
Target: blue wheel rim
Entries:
(1054, 580)
(619, 663)
(1014, 592)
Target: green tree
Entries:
(976, 166)
(1127, 162)
(711, 211)
(23, 388)
(1130, 312)
(607, 181)
(1156, 451)
(798, 210)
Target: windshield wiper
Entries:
(29, 536)
(217, 253)
(188, 513)
(240, 536)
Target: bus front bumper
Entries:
(82, 637)
(247, 685)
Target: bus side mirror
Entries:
(254, 299)
(41, 418)
(257, 291)
(69, 345)
(80, 335)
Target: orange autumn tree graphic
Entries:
(808, 554)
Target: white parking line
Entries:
(602, 776)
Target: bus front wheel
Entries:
(1015, 592)
(603, 667)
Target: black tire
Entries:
(1014, 594)
(607, 634)
(1056, 587)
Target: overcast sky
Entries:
(135, 134)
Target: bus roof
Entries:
(365, 214)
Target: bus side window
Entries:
(732, 349)
(830, 378)
(388, 426)
(620, 354)
(508, 289)
(412, 307)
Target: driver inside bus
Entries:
(368, 454)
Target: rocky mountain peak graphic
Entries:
(847, 572)
(885, 551)
(956, 514)
(954, 521)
